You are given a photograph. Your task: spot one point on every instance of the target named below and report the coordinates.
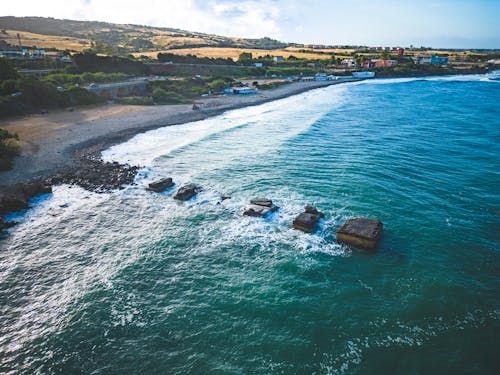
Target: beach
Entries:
(49, 141)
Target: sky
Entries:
(430, 23)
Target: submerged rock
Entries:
(308, 220)
(260, 207)
(361, 232)
(187, 192)
(159, 186)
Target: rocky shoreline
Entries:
(89, 171)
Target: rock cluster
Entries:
(260, 207)
(308, 220)
(187, 192)
(98, 176)
(361, 232)
(159, 186)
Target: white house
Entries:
(350, 63)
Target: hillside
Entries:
(133, 38)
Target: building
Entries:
(379, 64)
(239, 90)
(401, 51)
(432, 59)
(385, 63)
(439, 60)
(348, 63)
(320, 77)
(278, 58)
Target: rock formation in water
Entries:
(160, 185)
(187, 192)
(308, 220)
(361, 233)
(260, 207)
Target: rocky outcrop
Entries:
(159, 186)
(187, 192)
(16, 197)
(260, 207)
(308, 220)
(361, 233)
(97, 176)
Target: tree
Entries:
(245, 57)
(218, 85)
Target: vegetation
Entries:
(61, 79)
(9, 148)
(89, 62)
(192, 59)
(28, 94)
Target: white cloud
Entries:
(246, 18)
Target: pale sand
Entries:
(48, 141)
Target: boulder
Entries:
(314, 211)
(262, 202)
(361, 232)
(260, 207)
(159, 186)
(186, 192)
(308, 220)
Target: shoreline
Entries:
(55, 142)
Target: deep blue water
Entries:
(134, 282)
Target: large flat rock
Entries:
(361, 232)
(306, 222)
(187, 192)
(260, 207)
(160, 185)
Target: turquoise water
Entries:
(134, 282)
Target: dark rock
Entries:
(224, 197)
(314, 211)
(161, 185)
(361, 232)
(186, 192)
(260, 207)
(306, 222)
(262, 202)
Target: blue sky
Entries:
(436, 23)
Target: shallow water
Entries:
(135, 282)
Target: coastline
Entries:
(55, 142)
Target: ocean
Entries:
(134, 282)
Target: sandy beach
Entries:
(49, 141)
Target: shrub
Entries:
(9, 148)
(162, 96)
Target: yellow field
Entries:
(218, 52)
(44, 41)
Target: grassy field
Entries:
(219, 52)
(44, 41)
